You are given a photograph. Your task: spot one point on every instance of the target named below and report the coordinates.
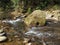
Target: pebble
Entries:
(1, 34)
(3, 38)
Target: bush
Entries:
(34, 4)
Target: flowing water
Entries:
(49, 34)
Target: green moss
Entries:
(34, 17)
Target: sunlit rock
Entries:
(37, 17)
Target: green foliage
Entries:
(6, 4)
(15, 2)
(35, 4)
(27, 5)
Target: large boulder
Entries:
(37, 17)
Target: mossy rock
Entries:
(37, 17)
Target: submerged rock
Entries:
(37, 17)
